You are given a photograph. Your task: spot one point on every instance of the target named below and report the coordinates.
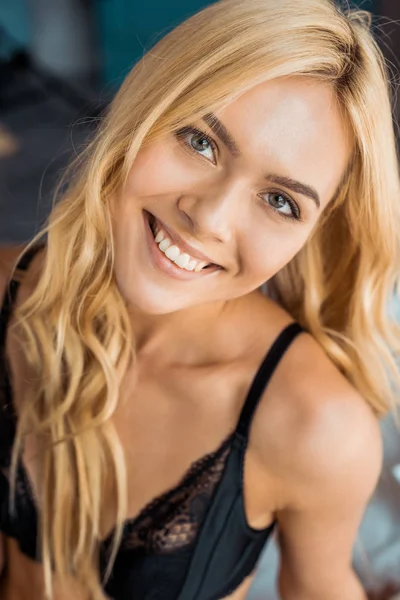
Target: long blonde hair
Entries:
(339, 286)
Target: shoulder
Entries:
(9, 256)
(314, 432)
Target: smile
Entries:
(170, 257)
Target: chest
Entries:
(168, 422)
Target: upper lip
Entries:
(182, 244)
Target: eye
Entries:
(283, 205)
(197, 141)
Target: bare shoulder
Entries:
(9, 255)
(313, 431)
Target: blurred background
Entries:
(61, 61)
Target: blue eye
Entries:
(284, 205)
(199, 141)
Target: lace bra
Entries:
(192, 542)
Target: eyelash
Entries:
(185, 131)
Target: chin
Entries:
(149, 299)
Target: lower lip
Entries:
(161, 262)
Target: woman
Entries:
(144, 367)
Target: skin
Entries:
(314, 452)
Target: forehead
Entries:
(292, 127)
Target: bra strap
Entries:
(10, 293)
(264, 373)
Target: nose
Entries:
(214, 214)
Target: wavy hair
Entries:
(339, 286)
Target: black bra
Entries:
(192, 542)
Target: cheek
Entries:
(269, 249)
(157, 172)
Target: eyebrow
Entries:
(220, 130)
(296, 186)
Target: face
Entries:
(240, 198)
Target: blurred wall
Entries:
(63, 39)
(127, 29)
(58, 34)
(15, 19)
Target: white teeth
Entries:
(199, 266)
(183, 260)
(159, 237)
(192, 264)
(164, 244)
(172, 252)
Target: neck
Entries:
(179, 336)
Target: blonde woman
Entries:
(163, 410)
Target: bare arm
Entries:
(316, 548)
(320, 445)
(318, 532)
